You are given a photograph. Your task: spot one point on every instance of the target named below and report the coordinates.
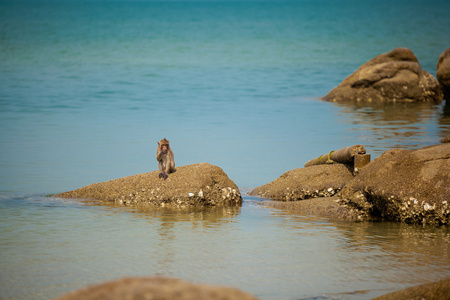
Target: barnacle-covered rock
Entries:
(411, 186)
(200, 184)
(305, 183)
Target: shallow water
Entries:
(52, 245)
(87, 88)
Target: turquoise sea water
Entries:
(87, 88)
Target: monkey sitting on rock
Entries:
(165, 158)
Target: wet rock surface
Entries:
(411, 186)
(193, 185)
(153, 288)
(443, 72)
(389, 77)
(305, 183)
(434, 290)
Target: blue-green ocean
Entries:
(88, 87)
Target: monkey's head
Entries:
(164, 145)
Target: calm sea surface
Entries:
(87, 88)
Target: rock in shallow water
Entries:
(193, 185)
(153, 288)
(410, 186)
(305, 183)
(388, 77)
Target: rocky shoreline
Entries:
(410, 186)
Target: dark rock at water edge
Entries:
(304, 183)
(411, 186)
(152, 288)
(443, 72)
(317, 187)
(389, 77)
(200, 184)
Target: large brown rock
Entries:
(155, 288)
(389, 77)
(194, 185)
(443, 72)
(304, 183)
(431, 291)
(410, 186)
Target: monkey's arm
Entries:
(159, 155)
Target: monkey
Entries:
(165, 158)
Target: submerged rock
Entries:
(153, 288)
(434, 290)
(305, 183)
(410, 186)
(443, 72)
(194, 185)
(389, 77)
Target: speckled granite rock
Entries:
(194, 185)
(155, 288)
(389, 77)
(305, 183)
(411, 186)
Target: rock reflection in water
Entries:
(444, 119)
(207, 216)
(56, 245)
(383, 126)
(382, 256)
(173, 226)
(399, 239)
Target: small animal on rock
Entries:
(165, 158)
